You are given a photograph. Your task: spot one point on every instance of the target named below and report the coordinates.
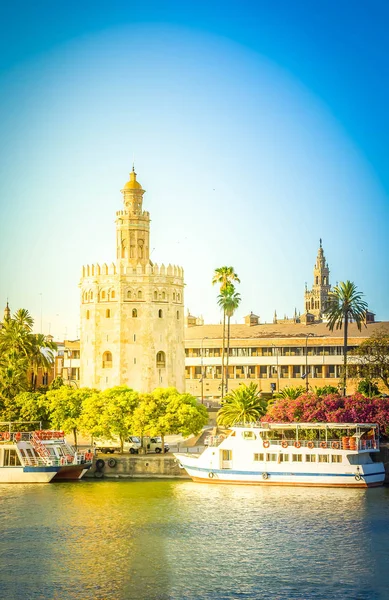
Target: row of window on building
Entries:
(107, 295)
(160, 360)
(269, 351)
(134, 313)
(263, 372)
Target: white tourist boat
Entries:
(39, 456)
(307, 454)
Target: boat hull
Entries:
(369, 476)
(71, 472)
(28, 474)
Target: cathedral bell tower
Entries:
(132, 226)
(316, 299)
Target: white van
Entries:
(132, 445)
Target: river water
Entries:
(147, 540)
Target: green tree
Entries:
(224, 276)
(345, 304)
(13, 376)
(371, 359)
(117, 408)
(325, 390)
(229, 301)
(290, 392)
(243, 405)
(33, 406)
(41, 356)
(170, 412)
(21, 351)
(368, 388)
(65, 405)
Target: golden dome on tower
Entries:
(132, 184)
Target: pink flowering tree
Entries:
(308, 408)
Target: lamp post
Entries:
(202, 369)
(276, 352)
(306, 361)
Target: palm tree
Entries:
(229, 301)
(345, 304)
(290, 392)
(224, 276)
(242, 405)
(21, 350)
(13, 376)
(41, 355)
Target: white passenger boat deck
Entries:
(307, 454)
(38, 456)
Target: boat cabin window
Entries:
(258, 457)
(297, 458)
(310, 458)
(11, 459)
(270, 457)
(336, 458)
(284, 457)
(248, 435)
(324, 458)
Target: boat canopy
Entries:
(295, 425)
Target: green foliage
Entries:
(325, 390)
(166, 412)
(31, 406)
(371, 359)
(117, 407)
(344, 304)
(21, 351)
(290, 392)
(243, 405)
(56, 383)
(368, 388)
(65, 406)
(224, 276)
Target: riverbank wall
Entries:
(149, 466)
(154, 466)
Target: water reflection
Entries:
(160, 539)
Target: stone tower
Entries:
(316, 299)
(132, 319)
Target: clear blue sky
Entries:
(257, 128)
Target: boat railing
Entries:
(346, 443)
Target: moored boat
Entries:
(39, 456)
(305, 454)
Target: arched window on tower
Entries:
(174, 296)
(139, 294)
(87, 314)
(160, 313)
(107, 360)
(317, 280)
(103, 295)
(178, 314)
(161, 360)
(163, 296)
(129, 294)
(113, 294)
(108, 313)
(134, 312)
(155, 295)
(178, 297)
(90, 295)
